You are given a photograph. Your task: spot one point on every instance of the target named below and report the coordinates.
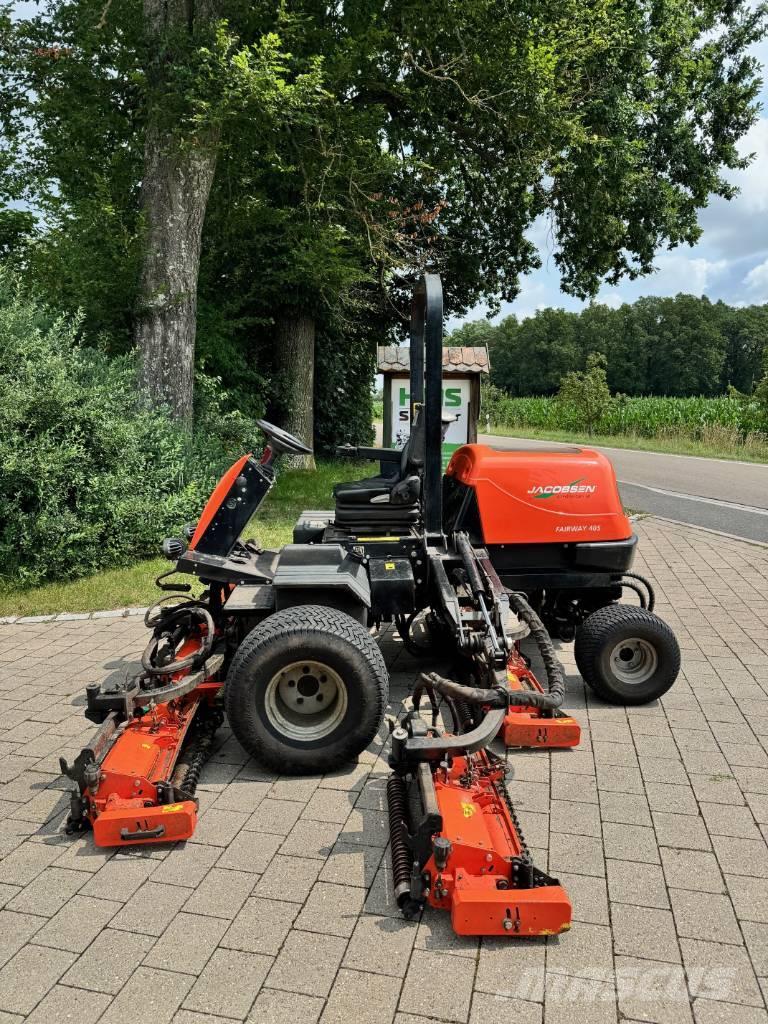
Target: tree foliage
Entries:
(587, 392)
(362, 143)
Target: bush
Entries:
(91, 478)
(586, 392)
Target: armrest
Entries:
(374, 454)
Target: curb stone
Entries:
(115, 613)
(708, 529)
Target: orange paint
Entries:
(542, 497)
(123, 808)
(475, 882)
(220, 491)
(531, 727)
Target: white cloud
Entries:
(534, 295)
(757, 281)
(611, 298)
(679, 272)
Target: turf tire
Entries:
(603, 631)
(316, 633)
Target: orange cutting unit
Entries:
(532, 726)
(456, 842)
(137, 777)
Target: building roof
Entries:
(456, 359)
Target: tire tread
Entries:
(307, 620)
(591, 637)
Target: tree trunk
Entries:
(295, 360)
(177, 180)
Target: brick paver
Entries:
(279, 909)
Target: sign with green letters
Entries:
(456, 398)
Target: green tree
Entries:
(476, 333)
(434, 135)
(745, 331)
(587, 392)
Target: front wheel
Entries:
(627, 655)
(307, 690)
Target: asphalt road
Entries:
(715, 493)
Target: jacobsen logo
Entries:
(576, 487)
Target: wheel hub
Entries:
(306, 700)
(634, 660)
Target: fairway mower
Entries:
(465, 565)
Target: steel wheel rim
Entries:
(634, 661)
(306, 700)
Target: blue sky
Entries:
(730, 262)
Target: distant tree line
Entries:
(656, 346)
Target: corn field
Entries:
(700, 419)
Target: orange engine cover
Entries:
(542, 497)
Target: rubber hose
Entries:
(554, 670)
(629, 585)
(197, 657)
(647, 584)
(457, 691)
(164, 609)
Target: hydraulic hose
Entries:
(651, 601)
(457, 691)
(551, 699)
(629, 585)
(554, 670)
(176, 623)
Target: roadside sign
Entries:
(456, 399)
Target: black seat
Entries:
(390, 501)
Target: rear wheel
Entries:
(307, 690)
(627, 655)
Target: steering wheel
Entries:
(282, 441)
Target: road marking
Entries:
(734, 506)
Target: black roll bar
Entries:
(417, 332)
(427, 369)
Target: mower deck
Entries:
(530, 726)
(455, 839)
(137, 777)
(488, 882)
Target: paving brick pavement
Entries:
(279, 909)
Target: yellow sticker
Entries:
(389, 565)
(146, 746)
(171, 808)
(378, 538)
(469, 809)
